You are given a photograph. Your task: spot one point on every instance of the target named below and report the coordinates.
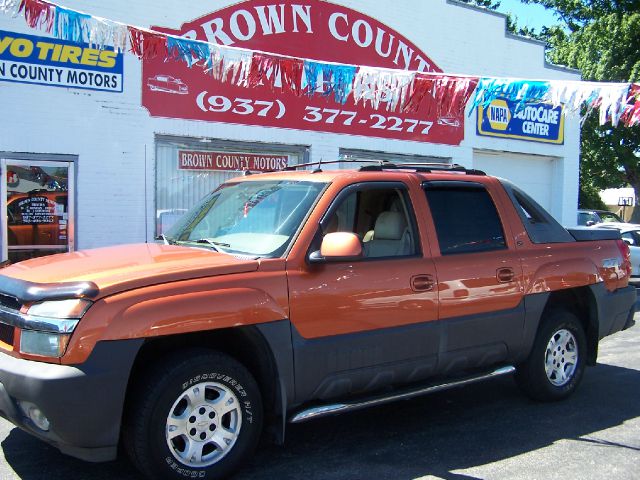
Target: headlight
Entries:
(72, 309)
(46, 327)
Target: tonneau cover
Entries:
(589, 234)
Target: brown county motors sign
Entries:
(229, 161)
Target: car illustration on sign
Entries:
(168, 84)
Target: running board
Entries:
(335, 408)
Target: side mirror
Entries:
(628, 241)
(590, 223)
(338, 247)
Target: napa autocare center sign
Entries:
(538, 122)
(58, 63)
(316, 30)
(230, 161)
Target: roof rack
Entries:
(381, 165)
(319, 164)
(422, 168)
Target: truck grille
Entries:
(6, 333)
(9, 302)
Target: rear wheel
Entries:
(556, 363)
(198, 415)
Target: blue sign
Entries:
(537, 122)
(49, 61)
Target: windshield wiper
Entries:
(213, 244)
(166, 240)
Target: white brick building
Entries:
(122, 159)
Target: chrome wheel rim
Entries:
(561, 358)
(203, 424)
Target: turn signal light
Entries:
(626, 256)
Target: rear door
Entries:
(479, 275)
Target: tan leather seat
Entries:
(391, 236)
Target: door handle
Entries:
(505, 275)
(422, 283)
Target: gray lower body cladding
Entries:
(82, 403)
(615, 309)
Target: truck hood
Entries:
(114, 269)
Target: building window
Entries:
(348, 156)
(187, 169)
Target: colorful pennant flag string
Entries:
(146, 44)
(377, 85)
(442, 95)
(276, 70)
(521, 91)
(10, 6)
(327, 79)
(38, 14)
(631, 114)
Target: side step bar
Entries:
(335, 408)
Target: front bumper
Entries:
(83, 403)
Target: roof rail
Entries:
(329, 162)
(423, 168)
(381, 165)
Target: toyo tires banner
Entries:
(313, 30)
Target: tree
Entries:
(601, 38)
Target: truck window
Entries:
(466, 219)
(382, 218)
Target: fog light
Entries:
(35, 415)
(45, 344)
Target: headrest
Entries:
(389, 226)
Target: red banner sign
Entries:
(314, 30)
(227, 161)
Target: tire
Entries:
(197, 415)
(556, 363)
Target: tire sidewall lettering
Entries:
(216, 377)
(185, 472)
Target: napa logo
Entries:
(499, 115)
(535, 122)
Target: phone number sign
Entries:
(319, 30)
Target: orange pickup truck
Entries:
(288, 296)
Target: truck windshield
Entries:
(256, 218)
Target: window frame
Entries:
(375, 185)
(470, 186)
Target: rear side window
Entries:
(539, 224)
(466, 219)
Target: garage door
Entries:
(533, 174)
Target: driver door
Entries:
(360, 325)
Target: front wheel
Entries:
(556, 363)
(198, 415)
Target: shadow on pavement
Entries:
(434, 435)
(449, 431)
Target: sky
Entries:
(533, 16)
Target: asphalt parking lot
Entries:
(484, 431)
